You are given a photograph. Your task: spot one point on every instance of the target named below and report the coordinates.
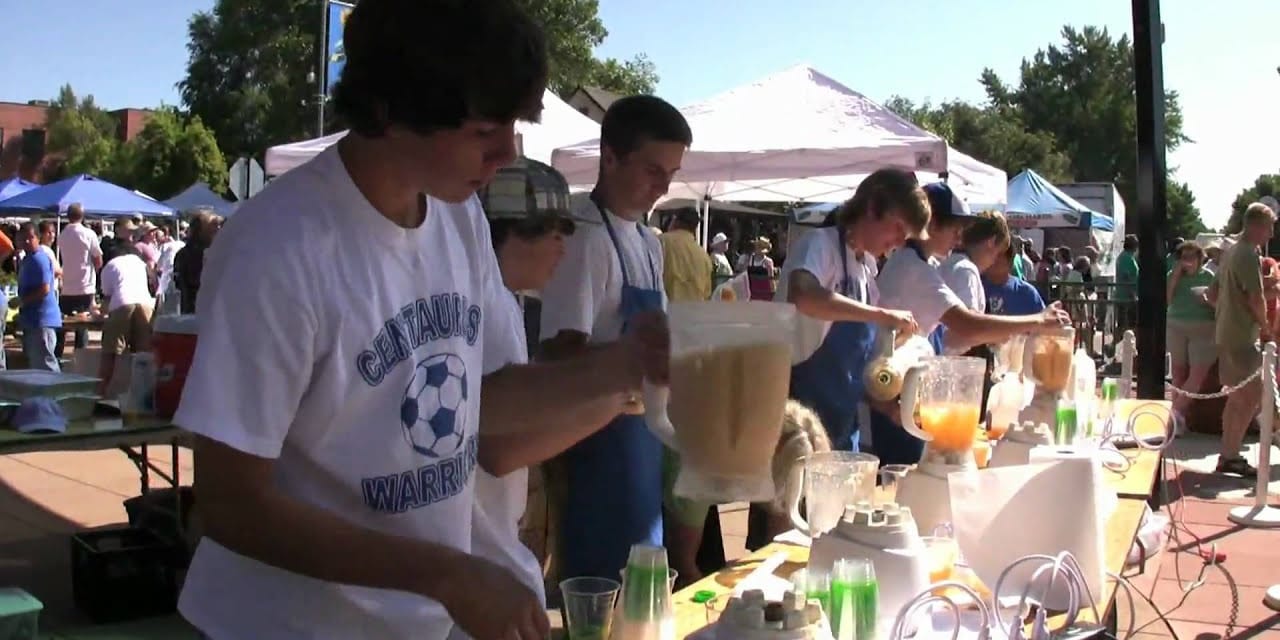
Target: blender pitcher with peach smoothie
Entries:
(946, 392)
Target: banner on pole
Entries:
(335, 56)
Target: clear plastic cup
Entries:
(942, 554)
(588, 607)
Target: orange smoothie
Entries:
(954, 426)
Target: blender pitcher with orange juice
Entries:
(946, 392)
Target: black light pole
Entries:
(1148, 39)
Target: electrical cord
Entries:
(1177, 527)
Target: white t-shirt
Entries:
(79, 245)
(367, 399)
(910, 284)
(164, 265)
(53, 257)
(964, 279)
(124, 281)
(500, 502)
(818, 253)
(586, 290)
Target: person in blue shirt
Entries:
(37, 302)
(1006, 294)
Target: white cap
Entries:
(719, 238)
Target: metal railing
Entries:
(1101, 312)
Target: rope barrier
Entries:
(1260, 514)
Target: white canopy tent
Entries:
(977, 183)
(561, 124)
(794, 124)
(799, 135)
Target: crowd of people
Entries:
(81, 270)
(370, 407)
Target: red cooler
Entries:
(174, 344)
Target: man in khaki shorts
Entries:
(1241, 322)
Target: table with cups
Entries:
(1133, 483)
(697, 604)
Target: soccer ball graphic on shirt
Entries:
(433, 412)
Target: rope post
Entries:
(1128, 349)
(1261, 515)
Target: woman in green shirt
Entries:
(1190, 328)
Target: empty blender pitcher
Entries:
(730, 366)
(833, 481)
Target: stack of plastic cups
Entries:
(855, 599)
(646, 611)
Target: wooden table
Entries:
(1121, 529)
(1133, 486)
(1138, 481)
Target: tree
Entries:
(249, 60)
(247, 72)
(171, 153)
(1083, 94)
(1267, 184)
(1182, 214)
(992, 135)
(574, 29)
(82, 134)
(633, 77)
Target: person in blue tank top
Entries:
(612, 481)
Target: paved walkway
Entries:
(46, 496)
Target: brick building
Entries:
(22, 136)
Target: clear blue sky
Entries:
(1220, 56)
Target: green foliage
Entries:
(1083, 93)
(1071, 117)
(993, 135)
(171, 153)
(247, 72)
(1182, 214)
(83, 134)
(1267, 184)
(633, 77)
(249, 60)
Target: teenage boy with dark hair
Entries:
(335, 393)
(611, 272)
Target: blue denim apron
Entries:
(614, 497)
(830, 381)
(890, 442)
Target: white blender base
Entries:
(1272, 598)
(1264, 517)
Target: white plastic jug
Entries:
(730, 376)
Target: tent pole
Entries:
(1148, 40)
(322, 72)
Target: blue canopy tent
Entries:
(15, 186)
(1035, 202)
(98, 197)
(200, 196)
